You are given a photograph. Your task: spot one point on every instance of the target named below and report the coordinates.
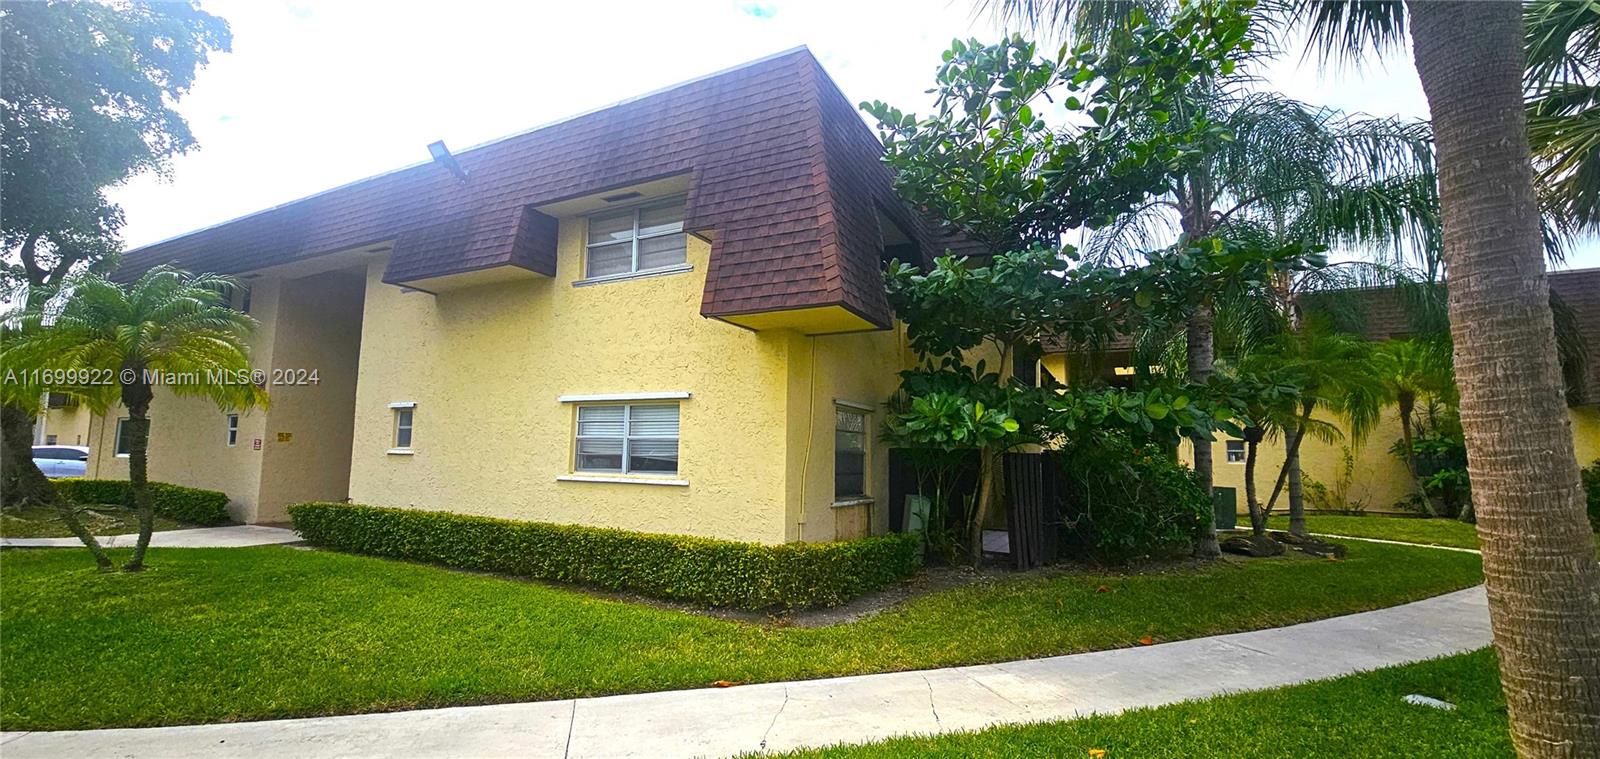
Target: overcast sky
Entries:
(317, 94)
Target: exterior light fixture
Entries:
(441, 155)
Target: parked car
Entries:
(61, 460)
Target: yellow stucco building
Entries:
(666, 316)
(1364, 475)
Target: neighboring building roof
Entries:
(784, 178)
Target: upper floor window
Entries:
(1235, 451)
(635, 240)
(233, 430)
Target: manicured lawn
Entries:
(251, 633)
(103, 520)
(1434, 532)
(1355, 716)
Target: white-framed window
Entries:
(404, 417)
(122, 446)
(849, 453)
(635, 438)
(233, 430)
(1235, 451)
(635, 240)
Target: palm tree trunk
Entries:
(19, 436)
(1297, 501)
(1258, 518)
(137, 398)
(1538, 550)
(1198, 340)
(1407, 405)
(1290, 455)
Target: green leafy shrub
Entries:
(713, 572)
(192, 505)
(1591, 488)
(1122, 501)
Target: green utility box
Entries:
(1225, 505)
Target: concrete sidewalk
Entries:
(784, 716)
(234, 536)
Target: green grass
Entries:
(211, 635)
(1355, 716)
(1433, 532)
(103, 520)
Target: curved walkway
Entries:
(232, 536)
(784, 716)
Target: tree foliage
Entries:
(88, 90)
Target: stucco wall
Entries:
(855, 370)
(70, 425)
(306, 445)
(305, 323)
(1377, 481)
(486, 365)
(188, 436)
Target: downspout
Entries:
(811, 431)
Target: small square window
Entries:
(123, 448)
(49, 439)
(403, 418)
(233, 430)
(1235, 451)
(849, 454)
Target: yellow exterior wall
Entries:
(1378, 481)
(70, 425)
(309, 323)
(486, 365)
(824, 371)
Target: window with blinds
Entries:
(628, 439)
(849, 454)
(635, 240)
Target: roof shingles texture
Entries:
(782, 173)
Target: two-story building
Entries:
(666, 315)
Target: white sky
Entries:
(315, 95)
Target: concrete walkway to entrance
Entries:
(234, 536)
(784, 716)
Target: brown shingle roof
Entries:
(781, 169)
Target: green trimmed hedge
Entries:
(675, 567)
(192, 505)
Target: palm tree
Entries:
(1414, 370)
(167, 323)
(1277, 169)
(1563, 93)
(1538, 550)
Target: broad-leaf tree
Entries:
(87, 96)
(167, 328)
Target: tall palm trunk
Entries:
(1198, 340)
(1538, 551)
(18, 437)
(1407, 405)
(1290, 473)
(136, 397)
(1297, 496)
(1258, 517)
